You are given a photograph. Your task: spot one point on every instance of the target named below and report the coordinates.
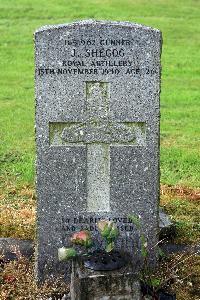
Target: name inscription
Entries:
(98, 57)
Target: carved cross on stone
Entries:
(98, 131)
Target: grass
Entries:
(172, 275)
(17, 283)
(18, 217)
(180, 119)
(17, 279)
(183, 206)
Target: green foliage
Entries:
(109, 232)
(65, 254)
(161, 254)
(147, 275)
(144, 250)
(110, 246)
(106, 232)
(155, 282)
(136, 221)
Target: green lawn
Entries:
(180, 117)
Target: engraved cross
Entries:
(98, 132)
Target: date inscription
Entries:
(98, 57)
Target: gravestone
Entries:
(97, 133)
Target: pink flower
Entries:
(82, 238)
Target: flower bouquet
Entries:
(94, 257)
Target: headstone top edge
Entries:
(96, 23)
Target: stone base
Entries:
(87, 284)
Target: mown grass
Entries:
(183, 206)
(180, 121)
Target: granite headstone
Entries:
(97, 133)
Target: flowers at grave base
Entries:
(82, 238)
(108, 229)
(65, 254)
(109, 232)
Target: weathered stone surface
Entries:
(11, 248)
(167, 229)
(97, 133)
(164, 220)
(120, 284)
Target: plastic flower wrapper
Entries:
(65, 254)
(82, 238)
(109, 232)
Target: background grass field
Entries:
(180, 118)
(180, 111)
